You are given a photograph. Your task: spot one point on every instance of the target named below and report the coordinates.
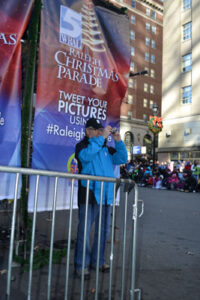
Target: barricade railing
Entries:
(128, 185)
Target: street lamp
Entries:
(155, 109)
(131, 74)
(155, 113)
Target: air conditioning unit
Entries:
(187, 131)
(168, 133)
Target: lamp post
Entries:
(155, 113)
(131, 74)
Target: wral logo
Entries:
(70, 27)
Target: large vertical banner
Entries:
(83, 72)
(14, 15)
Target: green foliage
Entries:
(155, 124)
(41, 258)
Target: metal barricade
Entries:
(128, 186)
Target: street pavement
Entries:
(169, 245)
(168, 252)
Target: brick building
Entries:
(146, 32)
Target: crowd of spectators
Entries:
(182, 176)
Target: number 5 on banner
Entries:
(70, 22)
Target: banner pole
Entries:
(27, 105)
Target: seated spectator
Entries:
(148, 171)
(166, 174)
(146, 175)
(198, 186)
(130, 167)
(173, 181)
(190, 183)
(123, 172)
(134, 175)
(188, 166)
(159, 182)
(140, 173)
(195, 170)
(180, 184)
(150, 181)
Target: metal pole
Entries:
(12, 238)
(124, 245)
(112, 243)
(154, 150)
(135, 217)
(52, 239)
(69, 241)
(33, 237)
(99, 240)
(84, 241)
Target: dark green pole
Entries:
(27, 104)
(154, 150)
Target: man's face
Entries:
(91, 132)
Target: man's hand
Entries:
(116, 136)
(107, 131)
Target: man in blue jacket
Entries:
(96, 158)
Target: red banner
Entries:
(83, 73)
(14, 15)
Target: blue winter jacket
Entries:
(97, 159)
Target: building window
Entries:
(174, 156)
(129, 114)
(132, 66)
(132, 51)
(132, 19)
(147, 56)
(132, 35)
(153, 74)
(147, 41)
(153, 14)
(153, 59)
(145, 118)
(151, 102)
(187, 31)
(187, 94)
(148, 11)
(187, 4)
(130, 99)
(146, 87)
(147, 26)
(153, 44)
(187, 62)
(131, 83)
(152, 89)
(133, 3)
(153, 29)
(145, 102)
